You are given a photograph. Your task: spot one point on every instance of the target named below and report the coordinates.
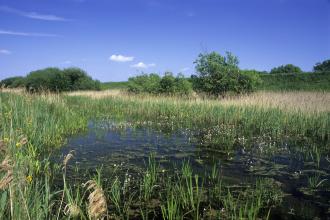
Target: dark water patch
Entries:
(126, 148)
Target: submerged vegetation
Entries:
(34, 126)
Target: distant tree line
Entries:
(290, 68)
(54, 80)
(216, 74)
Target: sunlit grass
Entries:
(306, 102)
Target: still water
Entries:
(110, 146)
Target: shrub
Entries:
(79, 80)
(168, 84)
(13, 82)
(250, 80)
(154, 84)
(182, 85)
(322, 67)
(289, 68)
(57, 80)
(144, 83)
(218, 75)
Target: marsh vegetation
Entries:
(263, 155)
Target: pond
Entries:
(125, 148)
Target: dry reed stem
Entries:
(97, 204)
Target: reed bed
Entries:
(297, 101)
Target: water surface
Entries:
(121, 146)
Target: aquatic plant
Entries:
(97, 204)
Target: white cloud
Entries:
(120, 58)
(67, 62)
(184, 69)
(3, 51)
(142, 65)
(27, 34)
(33, 15)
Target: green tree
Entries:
(44, 79)
(182, 85)
(289, 68)
(322, 67)
(144, 83)
(154, 84)
(167, 83)
(57, 80)
(220, 74)
(13, 82)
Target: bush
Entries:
(57, 80)
(218, 75)
(154, 84)
(182, 85)
(167, 83)
(149, 83)
(322, 67)
(250, 80)
(289, 68)
(13, 82)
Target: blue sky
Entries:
(115, 39)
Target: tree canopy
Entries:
(57, 80)
(154, 84)
(219, 74)
(322, 67)
(13, 82)
(288, 68)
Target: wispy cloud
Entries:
(67, 62)
(142, 65)
(120, 58)
(32, 15)
(4, 51)
(27, 34)
(184, 69)
(190, 14)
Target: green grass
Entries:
(302, 82)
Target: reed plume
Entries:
(8, 178)
(72, 210)
(67, 158)
(97, 204)
(3, 147)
